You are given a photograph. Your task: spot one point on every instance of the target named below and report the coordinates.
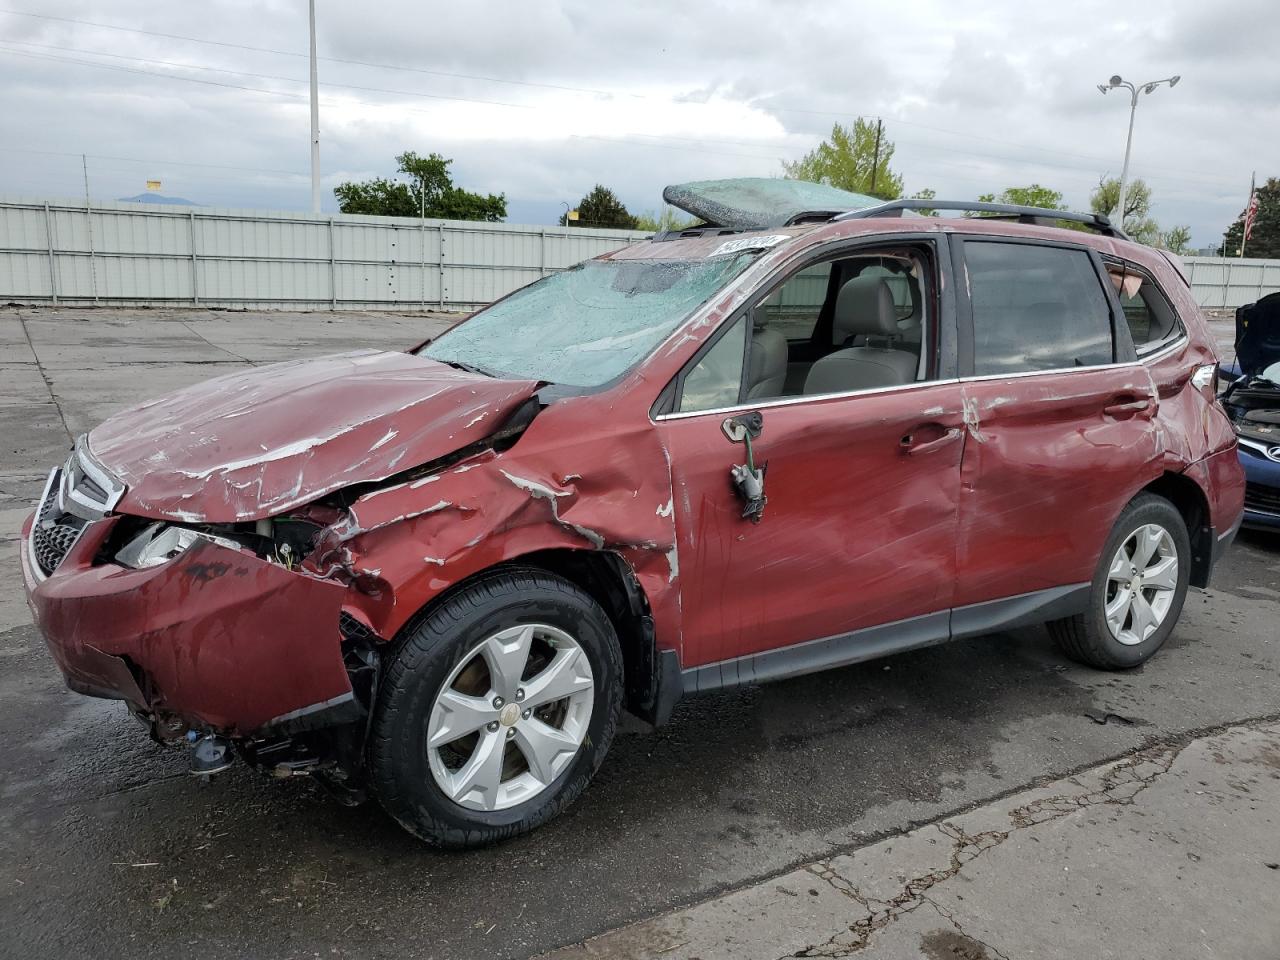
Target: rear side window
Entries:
(1151, 319)
(1035, 308)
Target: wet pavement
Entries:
(108, 848)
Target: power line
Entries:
(261, 76)
(236, 73)
(175, 163)
(292, 53)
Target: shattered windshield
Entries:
(586, 325)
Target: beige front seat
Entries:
(767, 372)
(864, 306)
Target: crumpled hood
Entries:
(1258, 335)
(254, 444)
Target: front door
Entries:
(861, 486)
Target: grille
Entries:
(353, 629)
(54, 533)
(1262, 499)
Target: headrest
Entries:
(864, 305)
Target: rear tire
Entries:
(456, 776)
(1137, 592)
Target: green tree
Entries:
(1264, 241)
(428, 191)
(1032, 196)
(853, 158)
(925, 194)
(601, 208)
(1137, 222)
(667, 219)
(1176, 240)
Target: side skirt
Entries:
(870, 643)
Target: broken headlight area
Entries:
(141, 544)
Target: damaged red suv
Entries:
(815, 430)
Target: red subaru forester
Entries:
(814, 430)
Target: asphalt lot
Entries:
(109, 849)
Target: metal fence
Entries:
(1221, 283)
(140, 255)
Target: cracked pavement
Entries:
(1170, 852)
(108, 849)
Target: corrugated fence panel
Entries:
(23, 230)
(138, 254)
(1224, 283)
(25, 276)
(141, 254)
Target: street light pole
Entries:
(1114, 83)
(315, 116)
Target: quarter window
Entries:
(715, 380)
(1151, 319)
(1035, 308)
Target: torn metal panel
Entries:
(573, 481)
(256, 443)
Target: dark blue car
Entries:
(1252, 399)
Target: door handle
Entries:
(1128, 406)
(911, 446)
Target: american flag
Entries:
(1251, 211)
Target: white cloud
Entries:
(975, 98)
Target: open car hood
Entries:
(1258, 335)
(762, 203)
(254, 444)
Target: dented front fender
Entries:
(571, 482)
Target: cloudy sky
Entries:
(541, 99)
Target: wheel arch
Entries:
(651, 677)
(1190, 500)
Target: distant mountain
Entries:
(158, 198)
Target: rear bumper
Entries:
(217, 638)
(1262, 491)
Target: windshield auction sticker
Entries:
(748, 243)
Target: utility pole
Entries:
(315, 116)
(875, 167)
(88, 222)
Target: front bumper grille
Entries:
(78, 493)
(54, 533)
(1262, 499)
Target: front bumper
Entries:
(216, 638)
(1262, 490)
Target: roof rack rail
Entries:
(1042, 216)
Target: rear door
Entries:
(1059, 416)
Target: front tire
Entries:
(496, 710)
(1137, 591)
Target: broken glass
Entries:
(587, 325)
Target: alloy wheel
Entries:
(510, 717)
(1142, 583)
